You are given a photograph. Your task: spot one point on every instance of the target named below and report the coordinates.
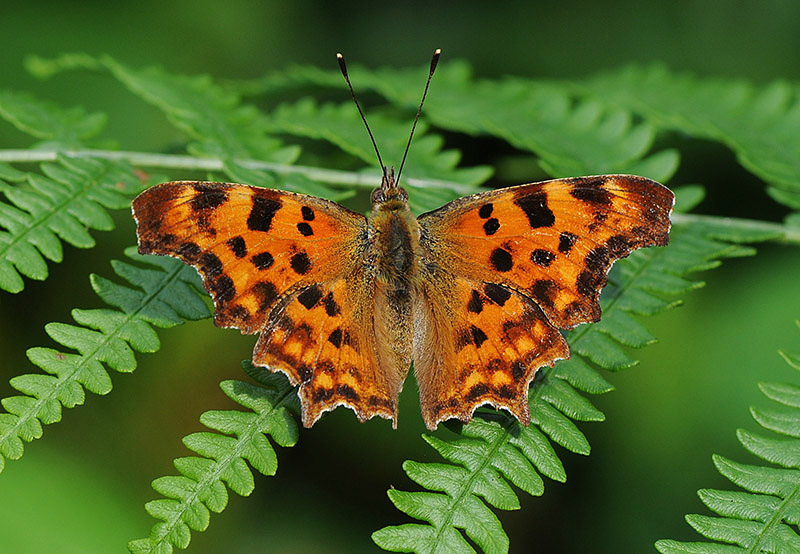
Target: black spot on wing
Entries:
(589, 283)
(321, 395)
(208, 197)
(266, 293)
(310, 297)
(211, 265)
(592, 191)
(478, 336)
(261, 214)
(491, 226)
(190, 251)
(348, 392)
(485, 211)
(501, 259)
(566, 241)
(544, 291)
(263, 261)
(475, 304)
(477, 391)
(237, 246)
(496, 293)
(535, 207)
(597, 259)
(223, 288)
(542, 257)
(331, 307)
(517, 370)
(305, 229)
(300, 263)
(618, 246)
(335, 338)
(308, 213)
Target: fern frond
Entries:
(44, 120)
(570, 137)
(60, 204)
(341, 125)
(495, 451)
(164, 294)
(239, 438)
(763, 518)
(758, 123)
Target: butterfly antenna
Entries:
(343, 67)
(434, 61)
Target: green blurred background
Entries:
(82, 489)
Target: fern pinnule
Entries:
(163, 296)
(239, 438)
(764, 517)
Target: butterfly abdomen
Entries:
(396, 262)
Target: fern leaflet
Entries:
(494, 451)
(61, 202)
(165, 295)
(240, 438)
(760, 519)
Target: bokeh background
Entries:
(82, 489)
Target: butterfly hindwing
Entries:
(482, 344)
(319, 336)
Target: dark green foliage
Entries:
(764, 517)
(607, 124)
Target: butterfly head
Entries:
(388, 191)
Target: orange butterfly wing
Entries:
(505, 268)
(286, 265)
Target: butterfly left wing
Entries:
(290, 267)
(537, 255)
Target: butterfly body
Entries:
(472, 293)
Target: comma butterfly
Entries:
(473, 293)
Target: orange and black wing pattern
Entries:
(547, 248)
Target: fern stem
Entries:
(190, 163)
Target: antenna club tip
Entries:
(437, 51)
(339, 55)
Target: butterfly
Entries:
(473, 293)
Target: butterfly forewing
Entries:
(554, 241)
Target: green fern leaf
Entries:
(495, 451)
(239, 438)
(341, 125)
(570, 138)
(758, 123)
(60, 204)
(765, 518)
(165, 295)
(48, 122)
